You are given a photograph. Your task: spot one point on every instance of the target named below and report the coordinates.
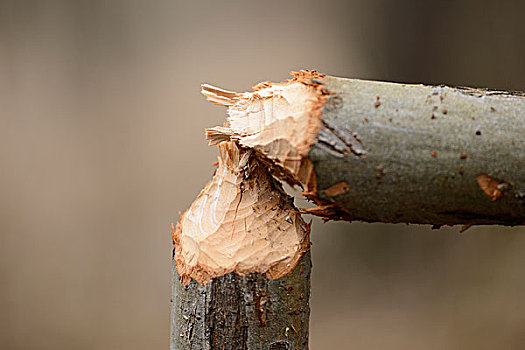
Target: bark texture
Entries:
(422, 154)
(242, 312)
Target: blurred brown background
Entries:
(101, 135)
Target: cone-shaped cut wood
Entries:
(241, 221)
(377, 151)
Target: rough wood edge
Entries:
(241, 221)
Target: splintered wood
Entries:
(278, 120)
(281, 122)
(241, 221)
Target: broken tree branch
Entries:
(377, 151)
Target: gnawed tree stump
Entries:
(360, 150)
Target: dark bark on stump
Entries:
(242, 312)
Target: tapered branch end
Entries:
(280, 121)
(241, 221)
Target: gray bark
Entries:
(412, 153)
(242, 312)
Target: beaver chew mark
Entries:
(241, 221)
(491, 186)
(280, 121)
(341, 142)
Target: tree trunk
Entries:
(361, 150)
(242, 312)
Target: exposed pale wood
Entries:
(280, 121)
(241, 221)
